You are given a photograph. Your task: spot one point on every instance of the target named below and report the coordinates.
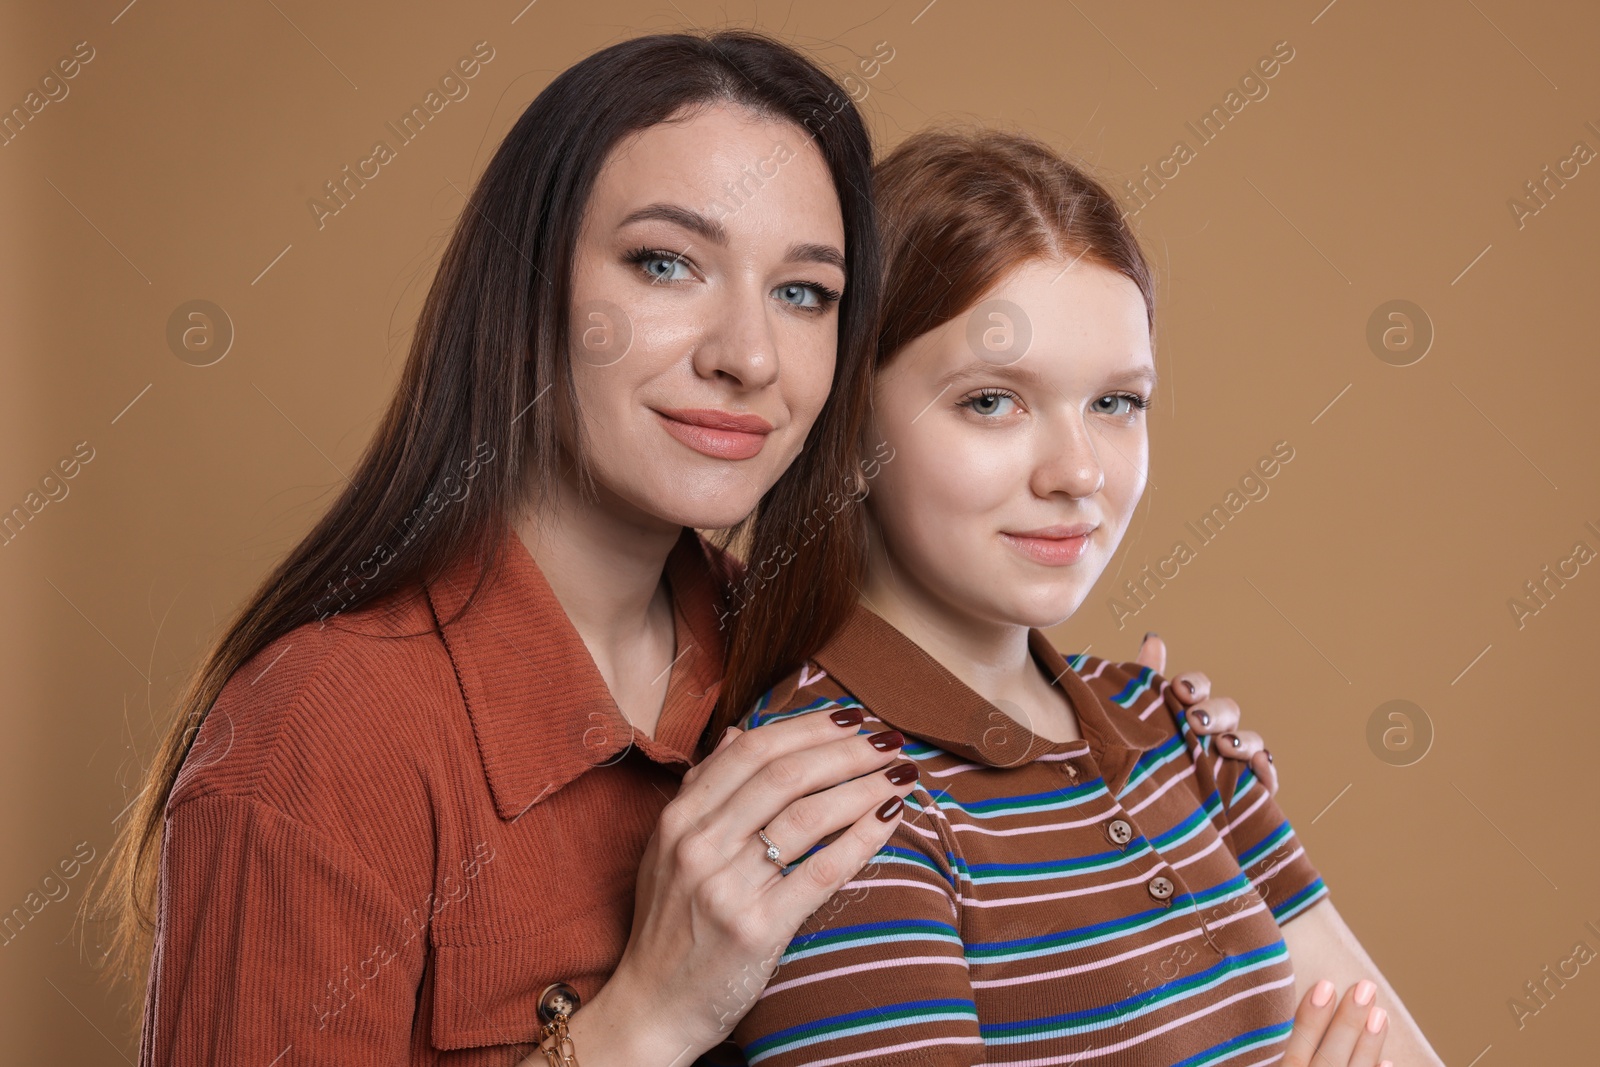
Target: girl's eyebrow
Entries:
(1016, 371)
(713, 231)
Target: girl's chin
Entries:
(1040, 609)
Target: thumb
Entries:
(1153, 653)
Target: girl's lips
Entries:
(1050, 551)
(718, 434)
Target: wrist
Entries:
(617, 1028)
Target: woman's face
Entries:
(705, 313)
(1018, 453)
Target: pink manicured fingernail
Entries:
(1321, 993)
(1364, 991)
(1375, 1020)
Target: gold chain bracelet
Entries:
(560, 1053)
(556, 1005)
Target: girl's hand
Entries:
(1218, 716)
(712, 914)
(1338, 1033)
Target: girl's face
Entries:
(705, 313)
(1015, 469)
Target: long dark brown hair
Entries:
(959, 208)
(490, 340)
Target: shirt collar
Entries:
(907, 688)
(541, 712)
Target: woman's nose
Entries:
(740, 342)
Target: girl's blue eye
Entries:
(1134, 401)
(987, 403)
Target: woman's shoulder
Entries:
(345, 704)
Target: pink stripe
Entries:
(1141, 1038)
(903, 961)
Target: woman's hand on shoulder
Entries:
(1217, 716)
(712, 913)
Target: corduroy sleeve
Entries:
(274, 944)
(878, 975)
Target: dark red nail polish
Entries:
(1190, 685)
(1151, 634)
(888, 809)
(1202, 718)
(847, 717)
(1231, 739)
(1269, 755)
(884, 740)
(901, 773)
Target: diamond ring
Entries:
(772, 850)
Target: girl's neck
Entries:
(605, 561)
(991, 658)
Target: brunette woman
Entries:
(1078, 878)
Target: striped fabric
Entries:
(1113, 900)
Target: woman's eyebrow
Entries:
(713, 231)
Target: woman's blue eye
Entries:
(663, 268)
(807, 296)
(798, 294)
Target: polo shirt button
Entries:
(558, 998)
(1071, 771)
(1160, 887)
(1119, 831)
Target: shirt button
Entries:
(1071, 771)
(1160, 887)
(558, 998)
(1119, 832)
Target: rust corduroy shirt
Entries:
(389, 838)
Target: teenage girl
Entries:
(1077, 878)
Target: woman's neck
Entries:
(991, 658)
(605, 561)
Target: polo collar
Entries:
(907, 688)
(541, 712)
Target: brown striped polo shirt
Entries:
(1110, 900)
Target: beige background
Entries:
(1380, 566)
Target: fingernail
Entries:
(1375, 1020)
(1201, 717)
(1190, 685)
(888, 808)
(1386, 1063)
(847, 717)
(1364, 991)
(901, 773)
(1232, 739)
(1268, 751)
(884, 740)
(1321, 993)
(1149, 635)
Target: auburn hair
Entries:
(959, 208)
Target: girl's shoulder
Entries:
(1126, 689)
(804, 691)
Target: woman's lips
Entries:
(715, 433)
(1051, 547)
